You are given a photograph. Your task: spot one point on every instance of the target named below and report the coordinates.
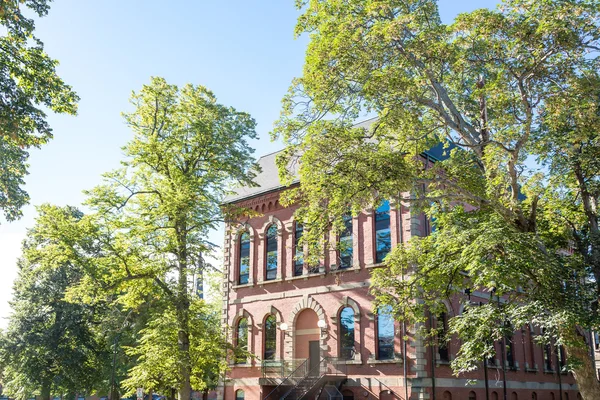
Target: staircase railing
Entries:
(327, 366)
(300, 372)
(389, 389)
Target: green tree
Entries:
(28, 85)
(51, 346)
(157, 351)
(503, 87)
(152, 219)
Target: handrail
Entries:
(286, 379)
(389, 388)
(304, 378)
(322, 367)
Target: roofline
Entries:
(258, 194)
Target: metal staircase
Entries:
(327, 371)
(304, 382)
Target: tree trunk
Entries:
(183, 317)
(584, 369)
(45, 393)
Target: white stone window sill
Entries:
(245, 365)
(278, 280)
(531, 370)
(306, 276)
(353, 362)
(245, 285)
(390, 361)
(375, 265)
(442, 362)
(340, 270)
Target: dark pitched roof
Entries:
(268, 179)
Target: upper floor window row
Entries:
(383, 245)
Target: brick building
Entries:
(314, 330)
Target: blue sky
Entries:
(244, 51)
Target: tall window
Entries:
(547, 354)
(385, 333)
(270, 337)
(244, 258)
(272, 252)
(561, 357)
(298, 250)
(509, 346)
(346, 243)
(442, 328)
(239, 394)
(347, 333)
(382, 231)
(242, 340)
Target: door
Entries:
(314, 356)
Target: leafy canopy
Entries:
(29, 85)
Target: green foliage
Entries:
(150, 226)
(503, 87)
(29, 84)
(157, 353)
(51, 346)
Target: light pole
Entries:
(502, 345)
(485, 367)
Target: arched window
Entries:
(383, 239)
(239, 394)
(447, 395)
(242, 340)
(347, 333)
(494, 396)
(442, 331)
(514, 396)
(346, 243)
(298, 250)
(244, 258)
(270, 337)
(547, 354)
(385, 333)
(533, 396)
(271, 253)
(472, 396)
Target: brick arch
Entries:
(305, 303)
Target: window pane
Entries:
(244, 258)
(382, 231)
(298, 251)
(347, 333)
(385, 334)
(272, 253)
(242, 339)
(442, 327)
(346, 243)
(270, 338)
(239, 395)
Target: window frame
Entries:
(378, 347)
(241, 258)
(267, 242)
(341, 337)
(377, 239)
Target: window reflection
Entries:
(346, 243)
(347, 333)
(270, 337)
(244, 258)
(271, 253)
(242, 340)
(383, 240)
(385, 333)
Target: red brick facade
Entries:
(301, 301)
